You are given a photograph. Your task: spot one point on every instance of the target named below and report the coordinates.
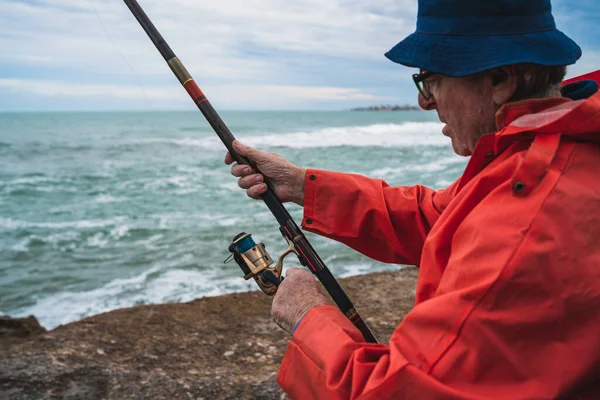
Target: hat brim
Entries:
(454, 55)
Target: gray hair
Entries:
(536, 81)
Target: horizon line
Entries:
(183, 110)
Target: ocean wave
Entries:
(72, 239)
(379, 135)
(366, 268)
(433, 166)
(209, 143)
(44, 183)
(201, 220)
(203, 172)
(229, 186)
(29, 184)
(154, 286)
(102, 239)
(160, 184)
(177, 182)
(10, 223)
(30, 180)
(149, 287)
(51, 189)
(190, 129)
(408, 134)
(23, 245)
(442, 183)
(106, 198)
(98, 240)
(149, 243)
(58, 240)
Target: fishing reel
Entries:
(255, 262)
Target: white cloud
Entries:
(240, 94)
(214, 38)
(51, 88)
(294, 51)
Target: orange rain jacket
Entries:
(508, 296)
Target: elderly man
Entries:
(508, 297)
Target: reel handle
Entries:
(269, 276)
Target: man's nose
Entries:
(427, 104)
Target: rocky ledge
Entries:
(212, 348)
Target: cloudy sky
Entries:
(244, 54)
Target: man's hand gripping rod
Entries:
(291, 232)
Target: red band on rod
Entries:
(193, 90)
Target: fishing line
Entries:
(121, 54)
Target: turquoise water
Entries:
(107, 210)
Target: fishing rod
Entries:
(251, 257)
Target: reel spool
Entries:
(255, 262)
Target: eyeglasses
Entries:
(422, 86)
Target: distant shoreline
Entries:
(387, 108)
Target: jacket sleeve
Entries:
(340, 365)
(512, 318)
(386, 223)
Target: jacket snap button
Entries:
(309, 221)
(518, 187)
(312, 177)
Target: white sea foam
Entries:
(227, 221)
(171, 286)
(209, 143)
(119, 231)
(106, 198)
(65, 307)
(198, 173)
(379, 135)
(175, 285)
(229, 186)
(10, 223)
(56, 189)
(38, 184)
(442, 183)
(22, 246)
(199, 219)
(366, 268)
(433, 166)
(98, 240)
(180, 181)
(29, 180)
(69, 239)
(149, 243)
(385, 135)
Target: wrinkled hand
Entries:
(287, 178)
(296, 295)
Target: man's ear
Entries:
(504, 84)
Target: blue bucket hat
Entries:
(462, 37)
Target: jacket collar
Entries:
(577, 90)
(522, 121)
(512, 111)
(578, 120)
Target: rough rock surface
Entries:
(20, 327)
(212, 348)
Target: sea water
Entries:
(100, 211)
